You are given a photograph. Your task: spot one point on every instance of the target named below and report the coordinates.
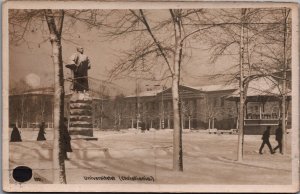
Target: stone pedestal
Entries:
(81, 124)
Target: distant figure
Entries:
(79, 64)
(265, 139)
(66, 139)
(278, 138)
(143, 126)
(41, 135)
(15, 134)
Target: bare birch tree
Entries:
(284, 82)
(158, 45)
(55, 20)
(279, 53)
(248, 37)
(22, 22)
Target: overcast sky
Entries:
(34, 58)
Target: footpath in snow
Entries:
(131, 156)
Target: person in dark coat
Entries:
(15, 135)
(265, 139)
(278, 137)
(41, 135)
(66, 139)
(143, 127)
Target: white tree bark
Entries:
(55, 28)
(177, 134)
(241, 85)
(284, 144)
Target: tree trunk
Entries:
(284, 83)
(241, 84)
(28, 121)
(182, 118)
(237, 117)
(160, 120)
(177, 134)
(59, 174)
(175, 72)
(58, 157)
(22, 115)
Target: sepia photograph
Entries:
(150, 96)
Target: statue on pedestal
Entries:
(79, 65)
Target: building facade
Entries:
(203, 107)
(30, 108)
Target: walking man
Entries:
(278, 138)
(265, 139)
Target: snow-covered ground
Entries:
(208, 159)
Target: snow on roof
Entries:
(146, 93)
(47, 90)
(263, 86)
(218, 87)
(208, 88)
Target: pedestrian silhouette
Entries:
(15, 134)
(41, 135)
(66, 140)
(143, 126)
(278, 137)
(265, 138)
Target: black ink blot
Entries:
(22, 173)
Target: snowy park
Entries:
(176, 96)
(146, 157)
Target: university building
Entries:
(212, 106)
(203, 107)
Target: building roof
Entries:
(38, 91)
(145, 93)
(259, 87)
(217, 87)
(208, 88)
(263, 86)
